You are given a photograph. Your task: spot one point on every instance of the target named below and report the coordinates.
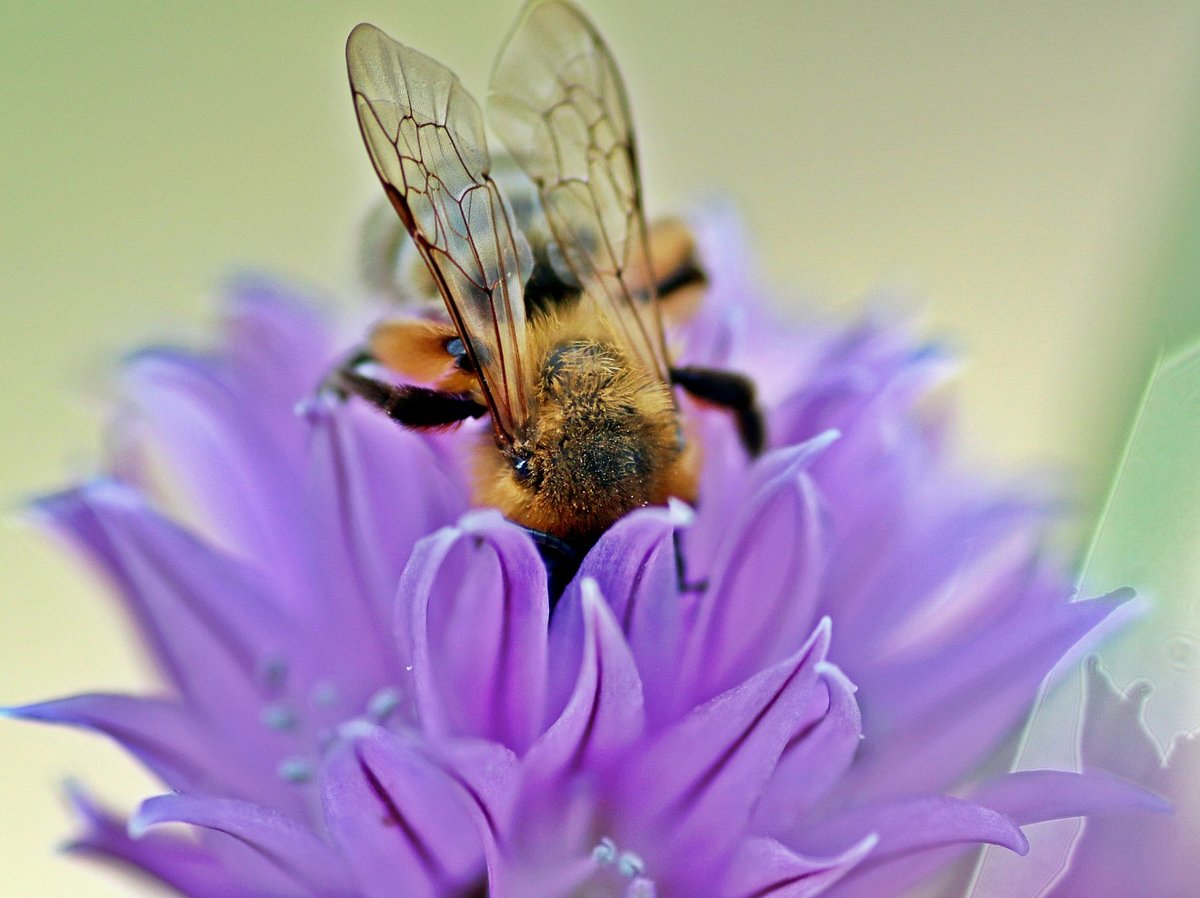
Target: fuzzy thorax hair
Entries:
(603, 438)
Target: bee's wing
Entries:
(424, 133)
(558, 103)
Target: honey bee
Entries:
(554, 329)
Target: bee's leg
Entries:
(411, 406)
(332, 382)
(730, 391)
(561, 559)
(672, 285)
(681, 577)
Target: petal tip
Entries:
(590, 594)
(139, 824)
(481, 520)
(679, 513)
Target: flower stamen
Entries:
(605, 852)
(383, 704)
(295, 770)
(630, 864)
(279, 718)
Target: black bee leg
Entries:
(561, 558)
(681, 577)
(730, 391)
(332, 382)
(409, 405)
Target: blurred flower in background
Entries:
(366, 691)
(1144, 731)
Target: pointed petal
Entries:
(724, 474)
(760, 600)
(914, 825)
(294, 850)
(604, 714)
(186, 413)
(400, 821)
(863, 384)
(764, 868)
(208, 620)
(225, 426)
(159, 733)
(975, 569)
(488, 777)
(1033, 796)
(697, 783)
(373, 490)
(275, 344)
(178, 863)
(815, 758)
(476, 597)
(634, 565)
(940, 718)
(210, 623)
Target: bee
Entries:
(553, 326)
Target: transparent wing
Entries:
(558, 103)
(424, 133)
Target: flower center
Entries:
(312, 721)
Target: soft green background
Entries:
(1019, 170)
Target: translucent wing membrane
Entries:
(558, 103)
(424, 133)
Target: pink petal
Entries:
(634, 565)
(374, 489)
(1033, 796)
(604, 714)
(914, 825)
(960, 703)
(696, 784)
(816, 757)
(275, 343)
(222, 459)
(764, 868)
(159, 733)
(287, 845)
(759, 603)
(178, 863)
(476, 598)
(209, 621)
(398, 818)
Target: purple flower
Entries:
(365, 693)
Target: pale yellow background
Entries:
(1016, 167)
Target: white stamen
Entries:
(606, 851)
(295, 770)
(324, 694)
(629, 864)
(279, 718)
(383, 703)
